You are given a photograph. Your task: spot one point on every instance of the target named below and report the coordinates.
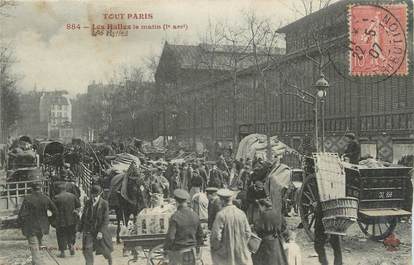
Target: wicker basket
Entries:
(337, 225)
(344, 207)
(339, 214)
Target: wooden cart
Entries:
(149, 247)
(383, 195)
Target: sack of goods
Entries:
(152, 221)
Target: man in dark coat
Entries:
(94, 225)
(68, 206)
(320, 240)
(216, 178)
(254, 192)
(353, 149)
(33, 219)
(203, 173)
(214, 205)
(184, 232)
(196, 183)
(72, 188)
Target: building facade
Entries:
(56, 111)
(212, 105)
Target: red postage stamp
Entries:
(378, 40)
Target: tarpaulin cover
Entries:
(256, 145)
(122, 162)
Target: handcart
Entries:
(149, 247)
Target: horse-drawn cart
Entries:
(382, 192)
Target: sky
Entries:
(51, 57)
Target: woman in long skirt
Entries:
(271, 228)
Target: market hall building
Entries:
(207, 101)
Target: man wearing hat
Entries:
(216, 178)
(353, 149)
(71, 187)
(184, 232)
(245, 174)
(214, 205)
(196, 183)
(68, 206)
(159, 184)
(33, 219)
(66, 173)
(94, 225)
(254, 192)
(203, 172)
(230, 234)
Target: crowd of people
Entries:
(225, 202)
(229, 203)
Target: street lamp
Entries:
(322, 85)
(174, 115)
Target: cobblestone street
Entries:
(356, 248)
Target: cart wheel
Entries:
(156, 255)
(378, 228)
(308, 197)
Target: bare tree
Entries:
(264, 38)
(213, 38)
(306, 7)
(8, 95)
(238, 51)
(9, 101)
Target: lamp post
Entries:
(321, 85)
(174, 115)
(313, 99)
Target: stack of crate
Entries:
(152, 221)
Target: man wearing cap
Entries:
(184, 232)
(353, 149)
(33, 219)
(214, 205)
(94, 225)
(230, 234)
(68, 206)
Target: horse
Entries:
(127, 195)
